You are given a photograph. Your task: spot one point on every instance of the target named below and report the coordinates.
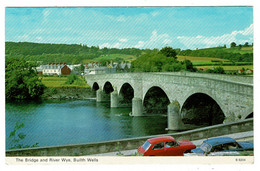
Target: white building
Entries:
(55, 69)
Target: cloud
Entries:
(123, 40)
(246, 31)
(140, 44)
(240, 37)
(108, 45)
(121, 18)
(156, 40)
(155, 13)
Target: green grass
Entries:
(226, 68)
(194, 59)
(243, 50)
(61, 82)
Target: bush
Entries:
(71, 78)
(22, 82)
(155, 62)
(217, 70)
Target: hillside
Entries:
(78, 53)
(235, 54)
(71, 54)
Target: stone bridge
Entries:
(183, 96)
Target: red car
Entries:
(165, 146)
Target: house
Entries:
(250, 71)
(72, 67)
(240, 71)
(55, 69)
(96, 68)
(123, 67)
(39, 70)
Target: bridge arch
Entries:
(251, 115)
(95, 86)
(126, 93)
(202, 109)
(156, 101)
(108, 88)
(248, 114)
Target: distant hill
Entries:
(236, 54)
(70, 54)
(78, 53)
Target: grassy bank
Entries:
(57, 87)
(68, 93)
(58, 82)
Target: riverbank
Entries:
(77, 93)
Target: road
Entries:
(243, 136)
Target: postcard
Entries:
(129, 84)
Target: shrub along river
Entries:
(62, 122)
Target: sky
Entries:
(131, 27)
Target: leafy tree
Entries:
(246, 44)
(79, 69)
(219, 70)
(189, 66)
(82, 68)
(16, 137)
(22, 82)
(168, 52)
(156, 62)
(71, 78)
(233, 44)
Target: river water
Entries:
(62, 122)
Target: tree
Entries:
(233, 44)
(16, 137)
(219, 70)
(22, 82)
(168, 52)
(246, 44)
(82, 68)
(189, 66)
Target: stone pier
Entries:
(174, 118)
(114, 99)
(137, 107)
(99, 95)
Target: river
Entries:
(62, 122)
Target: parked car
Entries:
(165, 146)
(222, 146)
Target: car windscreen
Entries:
(146, 145)
(205, 147)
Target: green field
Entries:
(229, 68)
(206, 62)
(243, 50)
(194, 59)
(55, 81)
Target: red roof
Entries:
(161, 139)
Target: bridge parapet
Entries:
(235, 85)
